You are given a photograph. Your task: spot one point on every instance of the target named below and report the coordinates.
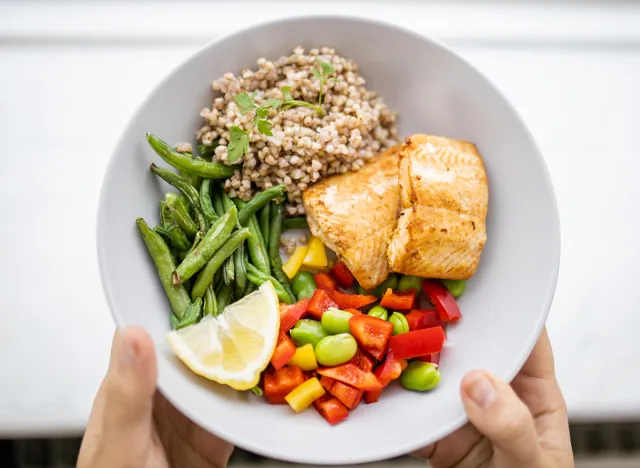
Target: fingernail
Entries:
(128, 352)
(481, 391)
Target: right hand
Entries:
(524, 425)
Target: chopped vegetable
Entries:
(443, 300)
(352, 375)
(419, 319)
(351, 301)
(303, 395)
(326, 382)
(303, 285)
(316, 256)
(372, 334)
(433, 358)
(331, 409)
(399, 300)
(390, 369)
(417, 343)
(319, 303)
(420, 376)
(353, 311)
(455, 287)
(279, 383)
(325, 281)
(308, 331)
(347, 394)
(363, 360)
(409, 282)
(285, 349)
(390, 282)
(291, 313)
(295, 261)
(336, 349)
(342, 275)
(304, 358)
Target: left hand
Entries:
(133, 425)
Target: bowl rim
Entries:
(218, 428)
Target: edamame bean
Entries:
(379, 312)
(336, 321)
(303, 285)
(361, 290)
(409, 282)
(420, 376)
(455, 287)
(307, 331)
(400, 324)
(335, 350)
(390, 282)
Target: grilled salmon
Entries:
(355, 214)
(444, 197)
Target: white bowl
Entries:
(435, 91)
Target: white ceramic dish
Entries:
(435, 91)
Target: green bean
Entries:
(188, 190)
(166, 219)
(307, 331)
(399, 322)
(275, 230)
(455, 287)
(420, 376)
(210, 302)
(205, 201)
(257, 254)
(208, 151)
(303, 285)
(229, 270)
(174, 236)
(257, 277)
(227, 202)
(250, 288)
(297, 222)
(177, 295)
(264, 219)
(164, 233)
(379, 312)
(258, 202)
(191, 316)
(205, 277)
(216, 199)
(181, 215)
(216, 236)
(192, 178)
(210, 170)
(224, 297)
(409, 282)
(240, 270)
(335, 350)
(336, 321)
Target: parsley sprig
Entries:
(239, 138)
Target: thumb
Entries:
(129, 386)
(497, 412)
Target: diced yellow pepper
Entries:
(316, 255)
(295, 261)
(304, 394)
(304, 358)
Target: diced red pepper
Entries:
(353, 311)
(278, 384)
(419, 319)
(291, 313)
(331, 409)
(347, 394)
(351, 301)
(325, 281)
(417, 343)
(399, 300)
(372, 334)
(352, 375)
(443, 300)
(372, 397)
(363, 360)
(342, 275)
(390, 369)
(319, 303)
(326, 382)
(285, 349)
(434, 358)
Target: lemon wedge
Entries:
(236, 346)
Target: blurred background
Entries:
(73, 72)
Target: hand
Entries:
(524, 425)
(133, 425)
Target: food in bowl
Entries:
(311, 331)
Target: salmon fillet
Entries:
(444, 197)
(355, 214)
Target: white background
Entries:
(72, 73)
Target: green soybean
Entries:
(420, 376)
(390, 283)
(161, 255)
(409, 282)
(399, 322)
(303, 285)
(455, 287)
(307, 331)
(336, 321)
(335, 350)
(379, 312)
